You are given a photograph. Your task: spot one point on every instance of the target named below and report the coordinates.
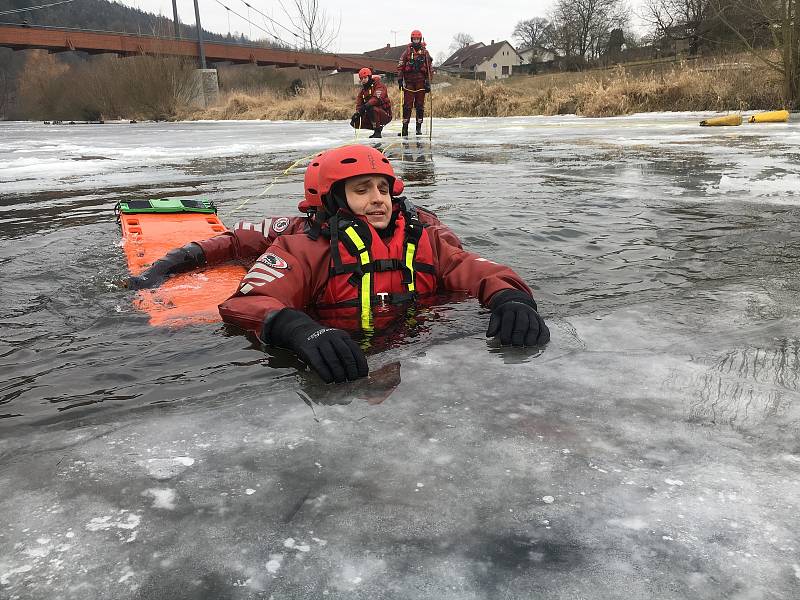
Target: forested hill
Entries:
(100, 15)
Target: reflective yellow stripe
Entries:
(366, 308)
(366, 278)
(411, 249)
(351, 233)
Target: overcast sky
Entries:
(367, 25)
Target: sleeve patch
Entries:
(272, 261)
(267, 269)
(280, 225)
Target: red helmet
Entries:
(398, 187)
(312, 199)
(416, 34)
(351, 161)
(365, 72)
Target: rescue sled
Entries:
(722, 121)
(772, 116)
(150, 229)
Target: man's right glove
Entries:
(331, 352)
(400, 84)
(178, 260)
(354, 119)
(515, 319)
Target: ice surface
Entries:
(650, 451)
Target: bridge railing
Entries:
(14, 35)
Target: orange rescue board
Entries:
(186, 298)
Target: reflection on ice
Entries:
(747, 386)
(376, 388)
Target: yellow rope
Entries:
(390, 146)
(403, 103)
(275, 180)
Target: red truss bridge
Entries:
(59, 39)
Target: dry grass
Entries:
(157, 88)
(708, 86)
(141, 87)
(269, 105)
(683, 87)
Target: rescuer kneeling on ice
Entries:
(373, 106)
(365, 252)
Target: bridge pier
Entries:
(206, 88)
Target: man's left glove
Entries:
(179, 260)
(427, 86)
(515, 320)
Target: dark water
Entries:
(650, 451)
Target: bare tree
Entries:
(533, 33)
(766, 29)
(461, 40)
(565, 31)
(583, 26)
(678, 20)
(311, 24)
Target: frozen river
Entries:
(651, 451)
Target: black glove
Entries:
(515, 319)
(332, 353)
(427, 86)
(178, 260)
(400, 84)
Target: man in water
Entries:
(366, 252)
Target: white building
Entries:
(532, 55)
(479, 61)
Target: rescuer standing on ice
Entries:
(414, 78)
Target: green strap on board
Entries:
(166, 205)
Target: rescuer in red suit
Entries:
(373, 106)
(414, 77)
(363, 253)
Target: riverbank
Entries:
(152, 88)
(712, 86)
